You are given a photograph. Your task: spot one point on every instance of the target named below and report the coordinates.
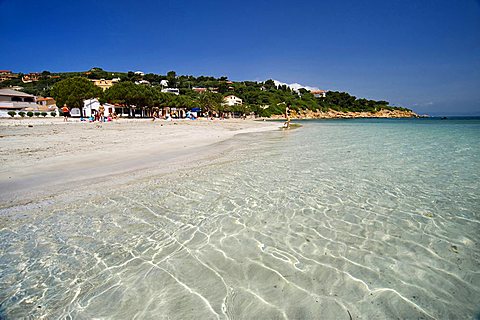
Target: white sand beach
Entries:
(42, 157)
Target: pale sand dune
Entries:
(41, 157)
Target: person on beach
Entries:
(66, 113)
(101, 113)
(287, 116)
(155, 115)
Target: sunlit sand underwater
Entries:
(344, 219)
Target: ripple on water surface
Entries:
(336, 220)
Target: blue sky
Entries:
(422, 54)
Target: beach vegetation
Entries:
(73, 91)
(11, 113)
(30, 114)
(263, 99)
(211, 102)
(172, 79)
(44, 114)
(131, 96)
(53, 114)
(21, 114)
(37, 114)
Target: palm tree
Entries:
(211, 102)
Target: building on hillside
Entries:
(31, 77)
(11, 100)
(7, 75)
(171, 90)
(142, 82)
(232, 100)
(319, 93)
(164, 83)
(46, 104)
(139, 73)
(105, 84)
(199, 90)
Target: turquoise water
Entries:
(368, 219)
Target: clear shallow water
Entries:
(373, 219)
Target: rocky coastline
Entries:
(333, 114)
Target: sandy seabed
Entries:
(45, 156)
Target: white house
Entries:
(11, 100)
(142, 82)
(93, 104)
(232, 100)
(319, 93)
(171, 90)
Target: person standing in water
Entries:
(287, 116)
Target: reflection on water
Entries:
(336, 220)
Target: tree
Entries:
(143, 96)
(172, 79)
(211, 101)
(223, 87)
(131, 95)
(162, 99)
(73, 91)
(152, 78)
(122, 93)
(269, 84)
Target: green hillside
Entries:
(262, 98)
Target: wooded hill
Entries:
(262, 98)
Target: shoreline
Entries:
(42, 159)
